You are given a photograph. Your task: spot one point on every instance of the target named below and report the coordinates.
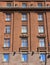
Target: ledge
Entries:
(31, 8)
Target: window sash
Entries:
(40, 17)
(42, 57)
(6, 57)
(7, 29)
(8, 4)
(7, 43)
(8, 17)
(24, 16)
(24, 29)
(24, 5)
(24, 43)
(24, 57)
(41, 29)
(41, 43)
(39, 4)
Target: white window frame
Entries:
(23, 58)
(24, 42)
(7, 42)
(8, 17)
(4, 59)
(40, 5)
(41, 29)
(24, 29)
(42, 57)
(24, 5)
(24, 17)
(7, 29)
(41, 42)
(40, 17)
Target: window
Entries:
(25, 57)
(8, 16)
(24, 5)
(24, 16)
(40, 17)
(6, 57)
(7, 42)
(8, 4)
(41, 42)
(42, 57)
(41, 29)
(24, 29)
(24, 42)
(39, 4)
(7, 29)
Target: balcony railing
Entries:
(23, 49)
(28, 7)
(41, 49)
(25, 0)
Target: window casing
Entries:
(24, 42)
(7, 42)
(40, 29)
(24, 17)
(8, 4)
(42, 57)
(8, 17)
(24, 29)
(42, 42)
(39, 4)
(7, 29)
(5, 57)
(24, 5)
(40, 17)
(24, 57)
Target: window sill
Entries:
(8, 21)
(24, 20)
(6, 47)
(24, 33)
(40, 20)
(41, 33)
(5, 61)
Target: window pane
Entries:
(7, 29)
(41, 43)
(24, 42)
(6, 42)
(40, 17)
(8, 16)
(39, 4)
(24, 29)
(24, 57)
(41, 29)
(24, 5)
(8, 4)
(24, 17)
(6, 57)
(42, 57)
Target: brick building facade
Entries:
(24, 32)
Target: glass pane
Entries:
(41, 42)
(24, 57)
(24, 5)
(42, 57)
(24, 29)
(6, 57)
(24, 43)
